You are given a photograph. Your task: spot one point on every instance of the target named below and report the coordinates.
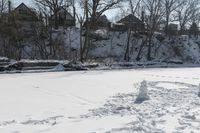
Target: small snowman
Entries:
(143, 93)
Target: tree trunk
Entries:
(140, 50)
(149, 48)
(127, 56)
(167, 26)
(56, 20)
(81, 43)
(86, 43)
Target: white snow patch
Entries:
(100, 101)
(59, 67)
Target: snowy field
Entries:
(100, 102)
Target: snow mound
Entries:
(3, 59)
(59, 67)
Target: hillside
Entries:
(108, 47)
(109, 44)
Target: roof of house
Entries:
(24, 7)
(130, 19)
(21, 5)
(63, 10)
(104, 19)
(101, 20)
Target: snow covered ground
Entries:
(100, 101)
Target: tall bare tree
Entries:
(3, 6)
(91, 11)
(155, 13)
(134, 5)
(185, 12)
(53, 7)
(170, 6)
(87, 39)
(97, 7)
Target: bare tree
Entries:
(53, 7)
(13, 37)
(81, 17)
(185, 12)
(97, 7)
(133, 8)
(3, 6)
(134, 5)
(91, 11)
(170, 6)
(155, 13)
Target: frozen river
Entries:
(100, 101)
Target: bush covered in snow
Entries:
(143, 93)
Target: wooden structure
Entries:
(99, 22)
(65, 19)
(129, 22)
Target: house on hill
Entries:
(65, 19)
(103, 22)
(100, 22)
(24, 13)
(21, 13)
(25, 18)
(129, 22)
(173, 29)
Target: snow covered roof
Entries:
(130, 19)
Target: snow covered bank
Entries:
(31, 66)
(113, 45)
(100, 101)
